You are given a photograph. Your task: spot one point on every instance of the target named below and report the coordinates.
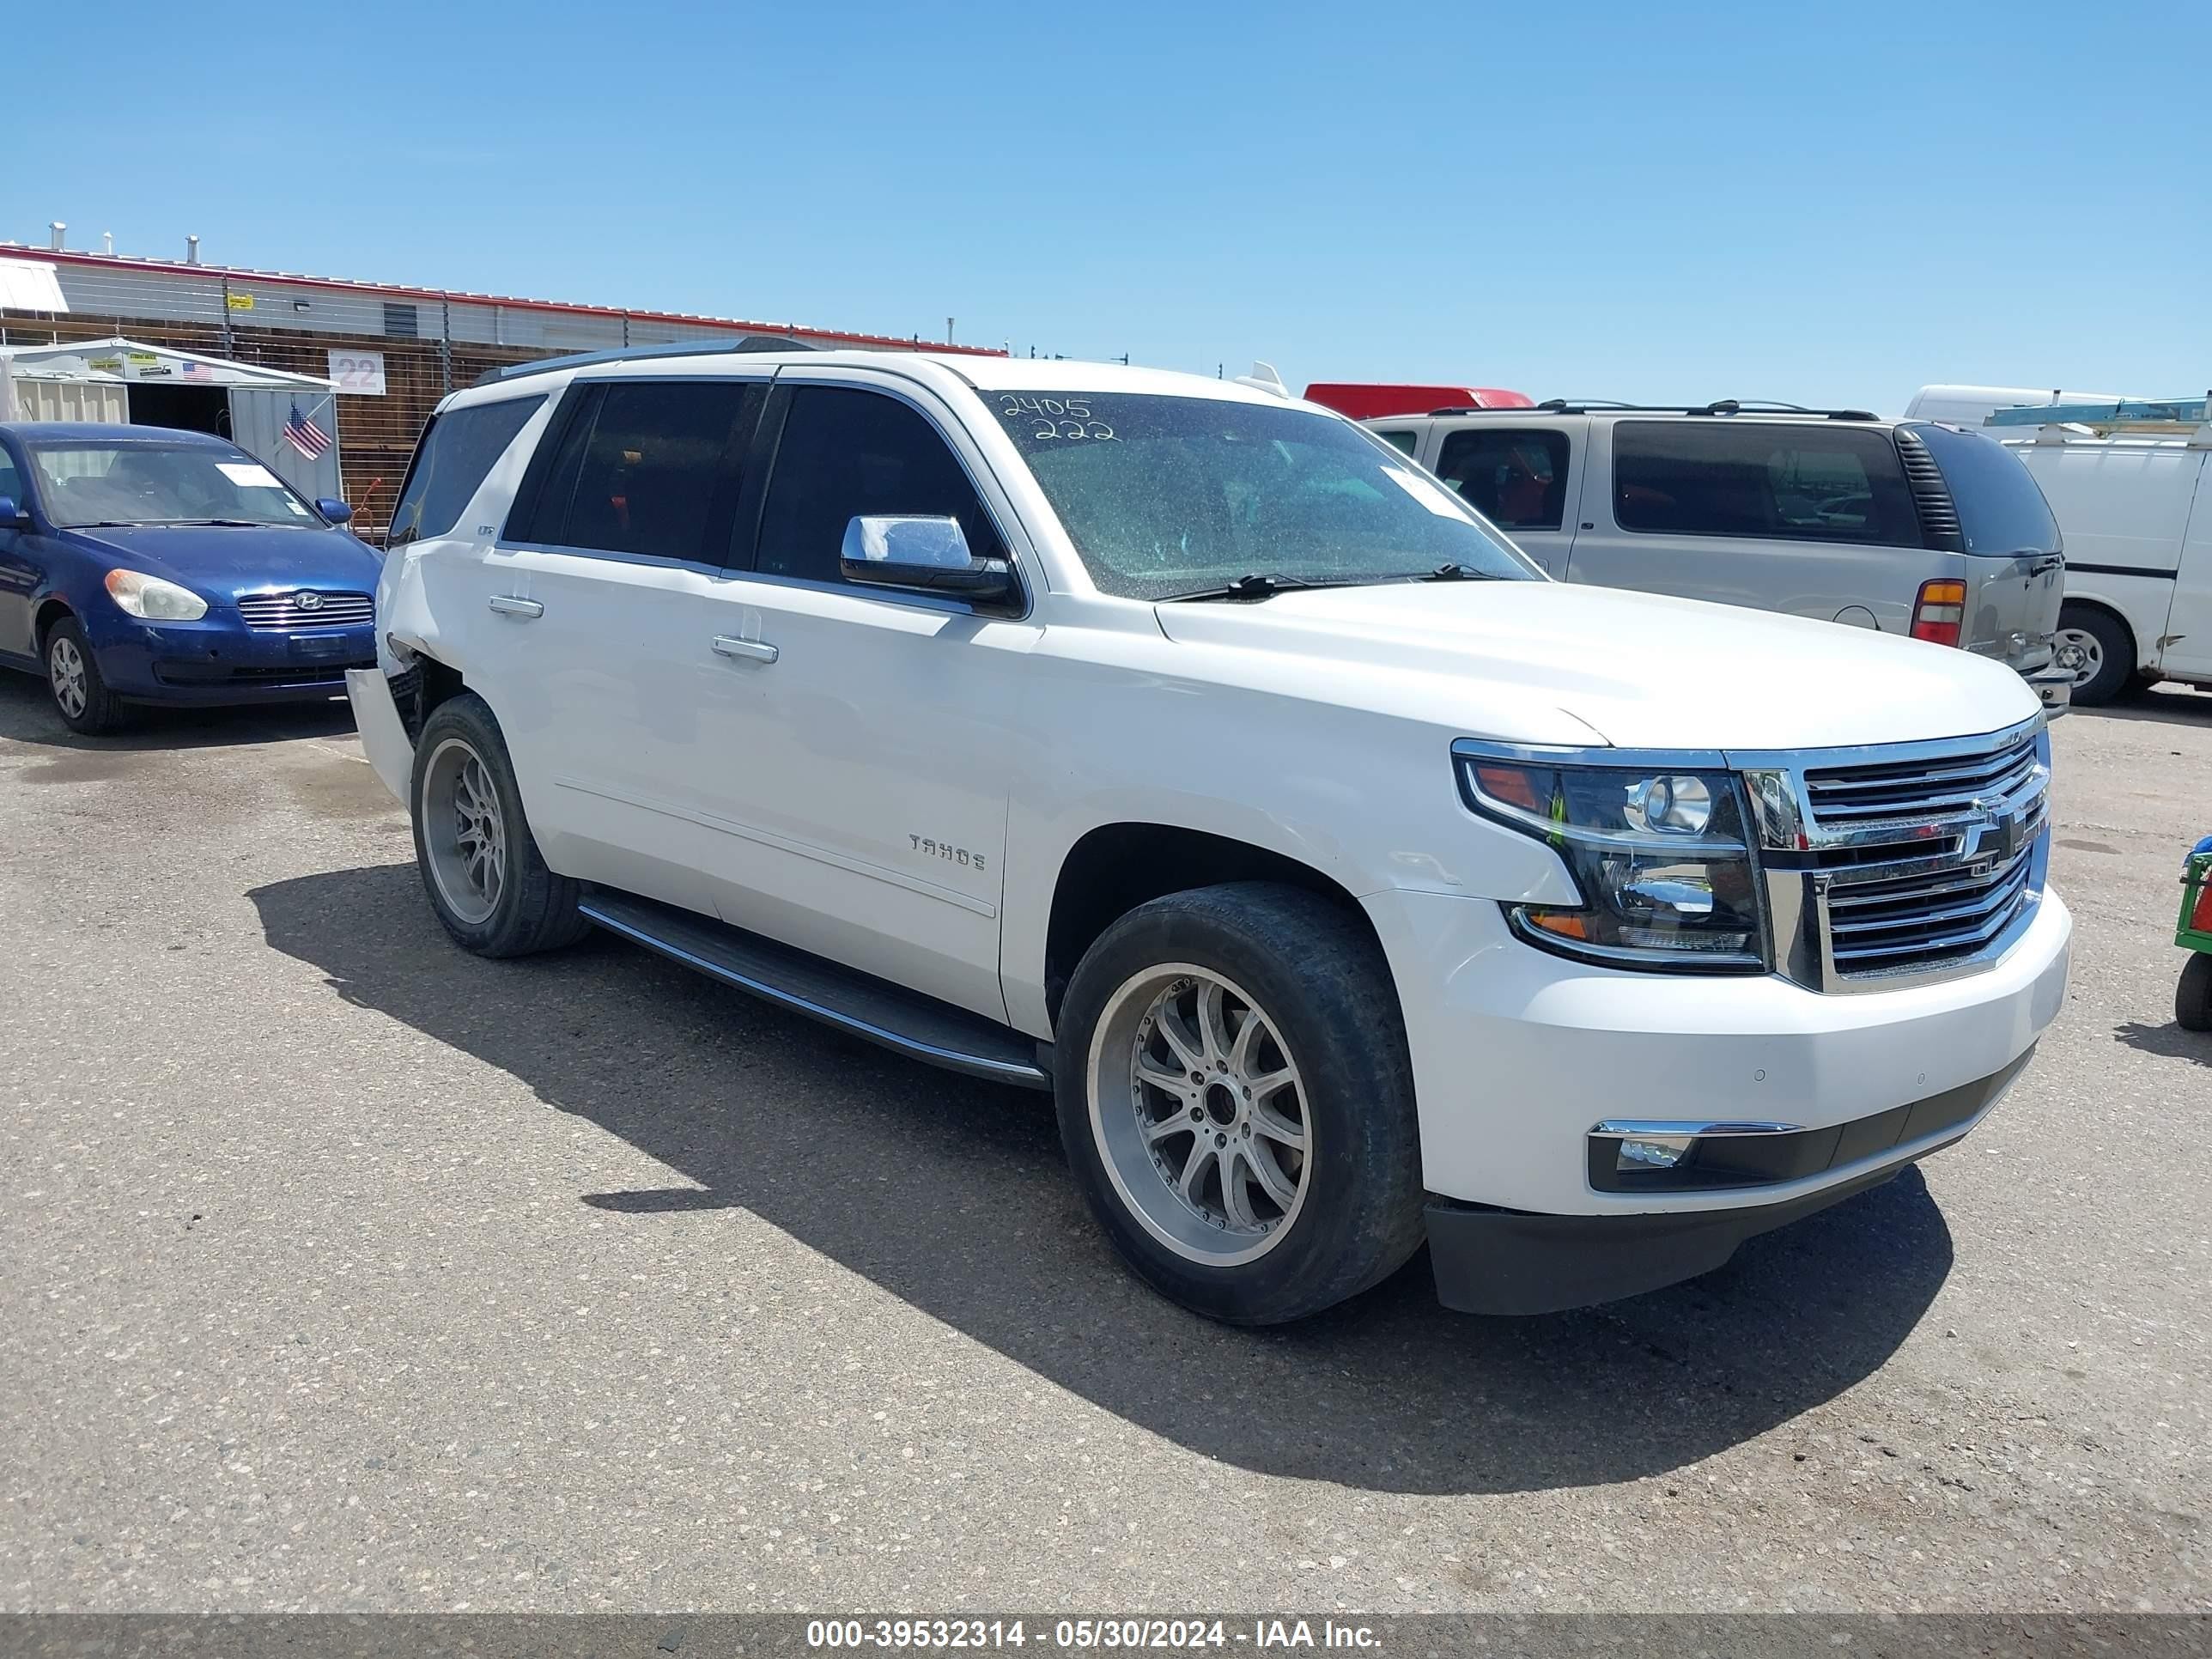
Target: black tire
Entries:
(531, 909)
(2192, 998)
(81, 696)
(1316, 971)
(2116, 673)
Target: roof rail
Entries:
(1722, 407)
(631, 354)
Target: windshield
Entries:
(1166, 495)
(90, 483)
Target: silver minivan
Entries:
(1909, 527)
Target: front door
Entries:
(1524, 479)
(20, 572)
(863, 810)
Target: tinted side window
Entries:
(1404, 442)
(642, 471)
(1721, 476)
(2000, 509)
(844, 454)
(1516, 480)
(457, 448)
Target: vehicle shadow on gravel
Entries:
(952, 1195)
(27, 715)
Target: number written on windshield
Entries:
(1054, 417)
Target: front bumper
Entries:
(1517, 1055)
(1490, 1261)
(218, 662)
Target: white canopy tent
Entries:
(288, 422)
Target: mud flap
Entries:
(383, 739)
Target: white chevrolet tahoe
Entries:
(1190, 753)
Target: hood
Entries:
(226, 559)
(1644, 671)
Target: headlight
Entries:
(1661, 857)
(140, 595)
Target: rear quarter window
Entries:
(457, 450)
(2002, 510)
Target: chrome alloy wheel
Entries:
(66, 672)
(463, 831)
(2090, 660)
(1200, 1114)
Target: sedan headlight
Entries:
(1661, 857)
(149, 597)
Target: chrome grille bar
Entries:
(1895, 865)
(322, 610)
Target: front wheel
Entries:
(1237, 1101)
(81, 696)
(480, 863)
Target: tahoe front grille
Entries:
(307, 608)
(1914, 862)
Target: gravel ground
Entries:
(341, 1270)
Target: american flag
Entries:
(304, 436)
(197, 372)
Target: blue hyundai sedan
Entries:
(141, 565)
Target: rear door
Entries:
(2014, 575)
(615, 541)
(1526, 478)
(1810, 518)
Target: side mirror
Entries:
(13, 517)
(334, 512)
(927, 553)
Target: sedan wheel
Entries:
(66, 674)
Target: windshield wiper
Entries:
(1459, 573)
(1256, 585)
(237, 524)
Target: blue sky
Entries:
(1829, 204)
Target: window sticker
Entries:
(1438, 502)
(250, 474)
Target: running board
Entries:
(918, 1027)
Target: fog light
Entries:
(1652, 1151)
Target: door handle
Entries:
(749, 650)
(508, 605)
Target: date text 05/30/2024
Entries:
(1109, 1635)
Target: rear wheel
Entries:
(2192, 998)
(81, 696)
(2108, 650)
(480, 865)
(1237, 1101)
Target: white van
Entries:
(1971, 405)
(2134, 502)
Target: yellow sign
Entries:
(238, 301)
(106, 365)
(143, 357)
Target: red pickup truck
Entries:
(1366, 400)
